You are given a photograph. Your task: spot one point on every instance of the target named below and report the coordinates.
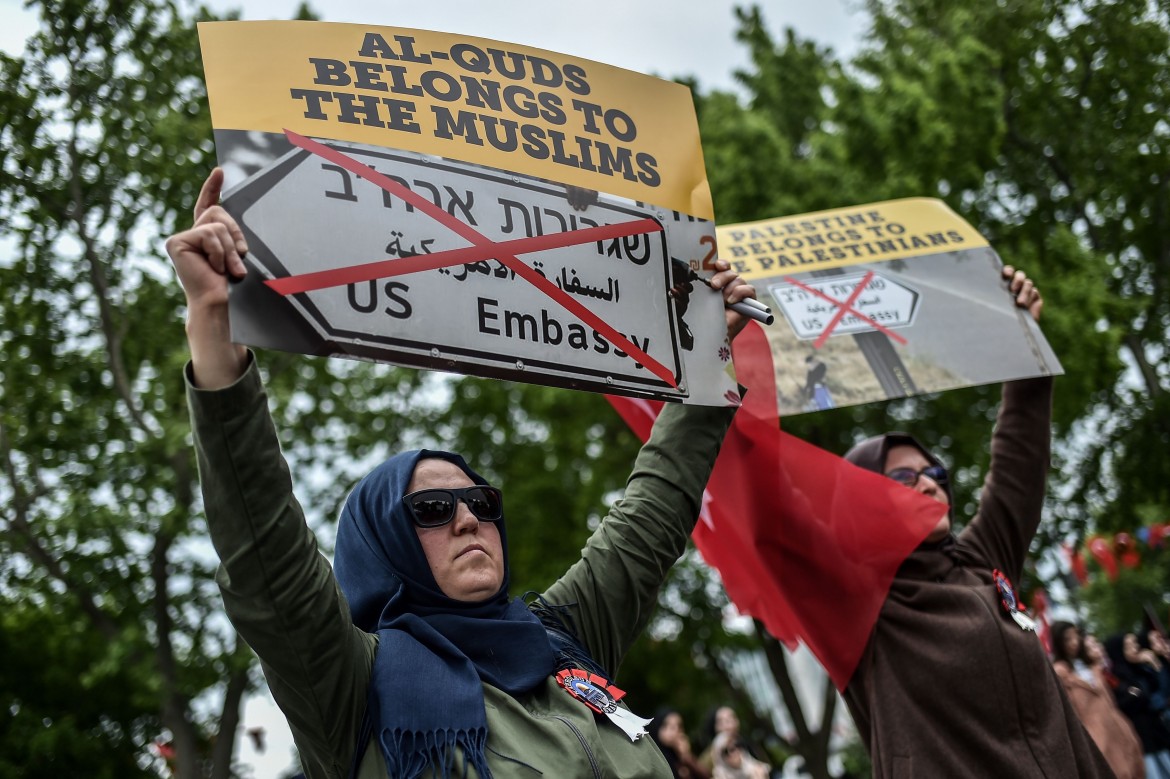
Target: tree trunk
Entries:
(812, 746)
(229, 719)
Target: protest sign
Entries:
(448, 202)
(881, 301)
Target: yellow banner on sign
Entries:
(511, 107)
(895, 229)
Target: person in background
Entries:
(668, 732)
(1137, 673)
(1079, 667)
(723, 719)
(732, 761)
(1096, 656)
(1155, 643)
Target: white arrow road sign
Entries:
(887, 302)
(303, 214)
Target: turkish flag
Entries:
(804, 541)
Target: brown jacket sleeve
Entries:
(1012, 499)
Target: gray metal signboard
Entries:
(599, 317)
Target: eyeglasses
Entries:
(909, 476)
(730, 750)
(436, 507)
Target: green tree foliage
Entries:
(56, 724)
(114, 625)
(98, 121)
(1138, 596)
(102, 128)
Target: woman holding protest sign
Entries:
(413, 660)
(953, 681)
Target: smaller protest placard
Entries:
(884, 300)
(454, 203)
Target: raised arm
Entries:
(279, 592)
(612, 590)
(1012, 498)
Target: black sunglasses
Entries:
(909, 476)
(436, 507)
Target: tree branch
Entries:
(828, 710)
(114, 339)
(20, 523)
(175, 704)
(743, 701)
(1137, 348)
(229, 718)
(779, 666)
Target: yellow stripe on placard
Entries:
(503, 105)
(891, 230)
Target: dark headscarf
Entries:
(1115, 650)
(1130, 674)
(1143, 684)
(871, 455)
(434, 651)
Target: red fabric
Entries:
(1103, 554)
(804, 541)
(1076, 563)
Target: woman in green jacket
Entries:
(413, 660)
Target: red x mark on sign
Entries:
(844, 308)
(482, 248)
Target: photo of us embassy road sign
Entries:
(329, 241)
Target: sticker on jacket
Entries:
(1007, 598)
(601, 696)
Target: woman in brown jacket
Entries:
(952, 682)
(1079, 665)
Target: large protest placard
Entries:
(884, 300)
(454, 203)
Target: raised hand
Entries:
(205, 257)
(1027, 296)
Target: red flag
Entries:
(1103, 554)
(804, 541)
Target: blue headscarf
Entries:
(425, 692)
